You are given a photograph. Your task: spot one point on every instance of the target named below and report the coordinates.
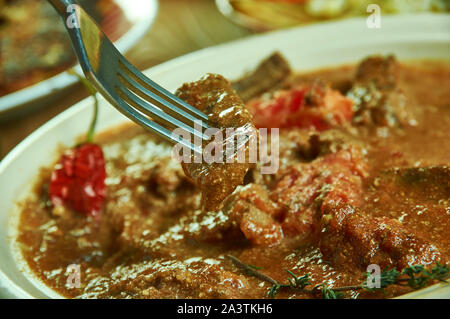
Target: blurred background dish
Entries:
(264, 15)
(35, 49)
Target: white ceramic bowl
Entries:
(409, 37)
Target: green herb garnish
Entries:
(413, 276)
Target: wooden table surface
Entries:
(181, 26)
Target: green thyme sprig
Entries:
(413, 276)
(387, 277)
(419, 276)
(295, 282)
(328, 293)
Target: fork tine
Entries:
(113, 76)
(159, 90)
(156, 114)
(164, 105)
(141, 119)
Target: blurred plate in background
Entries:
(264, 15)
(126, 25)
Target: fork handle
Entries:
(63, 6)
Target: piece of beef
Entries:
(299, 145)
(247, 214)
(254, 212)
(378, 100)
(419, 197)
(381, 71)
(311, 145)
(351, 237)
(270, 74)
(292, 208)
(214, 96)
(306, 188)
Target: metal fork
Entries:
(124, 86)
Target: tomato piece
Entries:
(314, 107)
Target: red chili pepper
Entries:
(78, 179)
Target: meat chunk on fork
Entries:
(214, 96)
(378, 100)
(351, 237)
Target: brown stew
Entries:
(364, 179)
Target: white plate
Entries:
(409, 37)
(141, 13)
